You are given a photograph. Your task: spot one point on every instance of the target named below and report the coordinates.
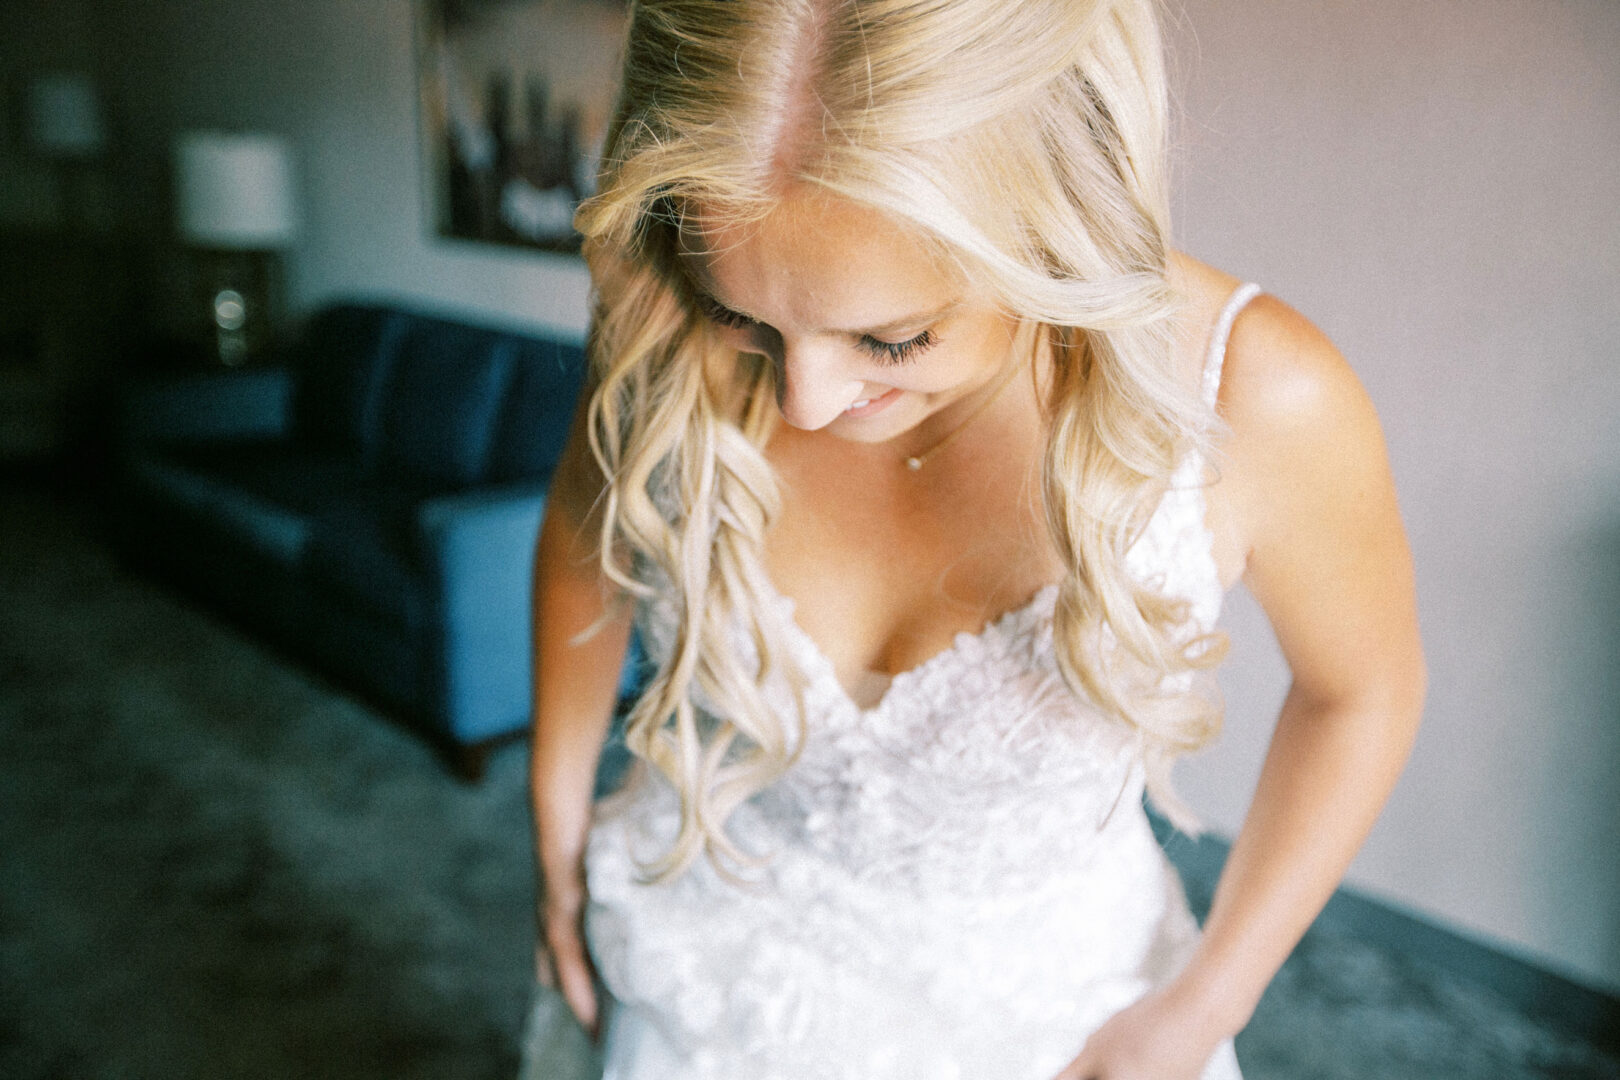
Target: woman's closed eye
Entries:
(897, 352)
(720, 315)
(888, 352)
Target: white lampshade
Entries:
(64, 116)
(235, 191)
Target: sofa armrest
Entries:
(479, 549)
(482, 507)
(251, 404)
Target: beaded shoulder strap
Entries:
(1217, 343)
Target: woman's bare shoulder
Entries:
(1304, 450)
(1284, 384)
(1305, 509)
(1280, 371)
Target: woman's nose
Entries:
(813, 385)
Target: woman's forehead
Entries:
(834, 267)
(808, 226)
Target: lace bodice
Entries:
(960, 879)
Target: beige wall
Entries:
(1438, 186)
(1435, 184)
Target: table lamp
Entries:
(67, 128)
(235, 206)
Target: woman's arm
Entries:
(1328, 561)
(575, 688)
(1308, 484)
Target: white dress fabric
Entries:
(961, 880)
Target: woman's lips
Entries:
(872, 406)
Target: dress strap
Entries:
(1217, 343)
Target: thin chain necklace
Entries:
(915, 462)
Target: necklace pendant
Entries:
(915, 464)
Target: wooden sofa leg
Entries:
(471, 762)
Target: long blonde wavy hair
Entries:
(1026, 139)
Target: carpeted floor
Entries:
(215, 865)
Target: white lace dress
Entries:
(962, 881)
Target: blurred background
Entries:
(1436, 185)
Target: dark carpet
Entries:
(217, 865)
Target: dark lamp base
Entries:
(236, 294)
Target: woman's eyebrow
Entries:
(905, 322)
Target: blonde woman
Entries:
(922, 462)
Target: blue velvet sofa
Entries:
(369, 502)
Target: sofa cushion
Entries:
(300, 480)
(539, 407)
(357, 532)
(266, 526)
(442, 403)
(343, 359)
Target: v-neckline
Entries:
(961, 641)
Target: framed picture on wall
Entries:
(516, 98)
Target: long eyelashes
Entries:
(888, 352)
(716, 312)
(897, 352)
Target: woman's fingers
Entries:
(561, 957)
(1081, 1068)
(543, 973)
(572, 968)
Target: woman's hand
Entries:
(560, 958)
(1157, 1038)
